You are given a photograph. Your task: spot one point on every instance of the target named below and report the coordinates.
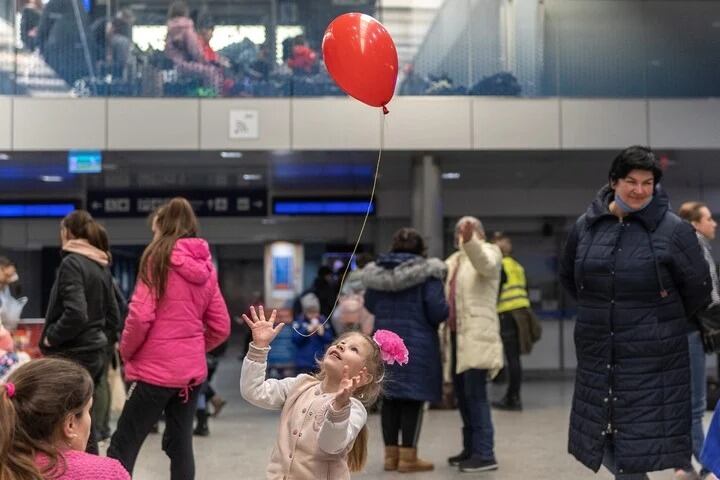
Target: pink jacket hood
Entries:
(191, 259)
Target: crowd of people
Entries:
(98, 56)
(393, 334)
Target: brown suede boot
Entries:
(391, 458)
(409, 462)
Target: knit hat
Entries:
(310, 301)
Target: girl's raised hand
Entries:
(263, 330)
(347, 387)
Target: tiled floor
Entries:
(529, 445)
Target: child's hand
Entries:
(347, 388)
(263, 331)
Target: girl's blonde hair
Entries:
(367, 394)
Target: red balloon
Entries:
(361, 57)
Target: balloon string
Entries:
(362, 230)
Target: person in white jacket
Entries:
(472, 344)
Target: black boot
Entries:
(512, 404)
(201, 429)
(466, 451)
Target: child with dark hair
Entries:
(45, 418)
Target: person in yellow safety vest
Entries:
(518, 326)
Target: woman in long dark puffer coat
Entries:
(637, 273)
(405, 292)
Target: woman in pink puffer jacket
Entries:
(177, 313)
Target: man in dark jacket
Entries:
(637, 273)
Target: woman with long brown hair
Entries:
(176, 315)
(82, 310)
(45, 418)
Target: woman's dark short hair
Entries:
(408, 240)
(635, 158)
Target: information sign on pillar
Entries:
(284, 263)
(283, 274)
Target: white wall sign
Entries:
(244, 124)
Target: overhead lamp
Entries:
(231, 154)
(251, 177)
(51, 178)
(450, 176)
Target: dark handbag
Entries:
(709, 321)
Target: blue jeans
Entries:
(471, 392)
(611, 465)
(202, 398)
(698, 390)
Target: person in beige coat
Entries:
(471, 339)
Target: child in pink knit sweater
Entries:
(45, 417)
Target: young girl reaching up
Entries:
(322, 433)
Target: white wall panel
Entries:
(429, 123)
(515, 124)
(597, 124)
(685, 123)
(334, 124)
(153, 124)
(6, 122)
(59, 123)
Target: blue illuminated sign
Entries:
(36, 210)
(84, 161)
(327, 206)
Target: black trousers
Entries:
(142, 410)
(511, 345)
(95, 362)
(207, 390)
(401, 416)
